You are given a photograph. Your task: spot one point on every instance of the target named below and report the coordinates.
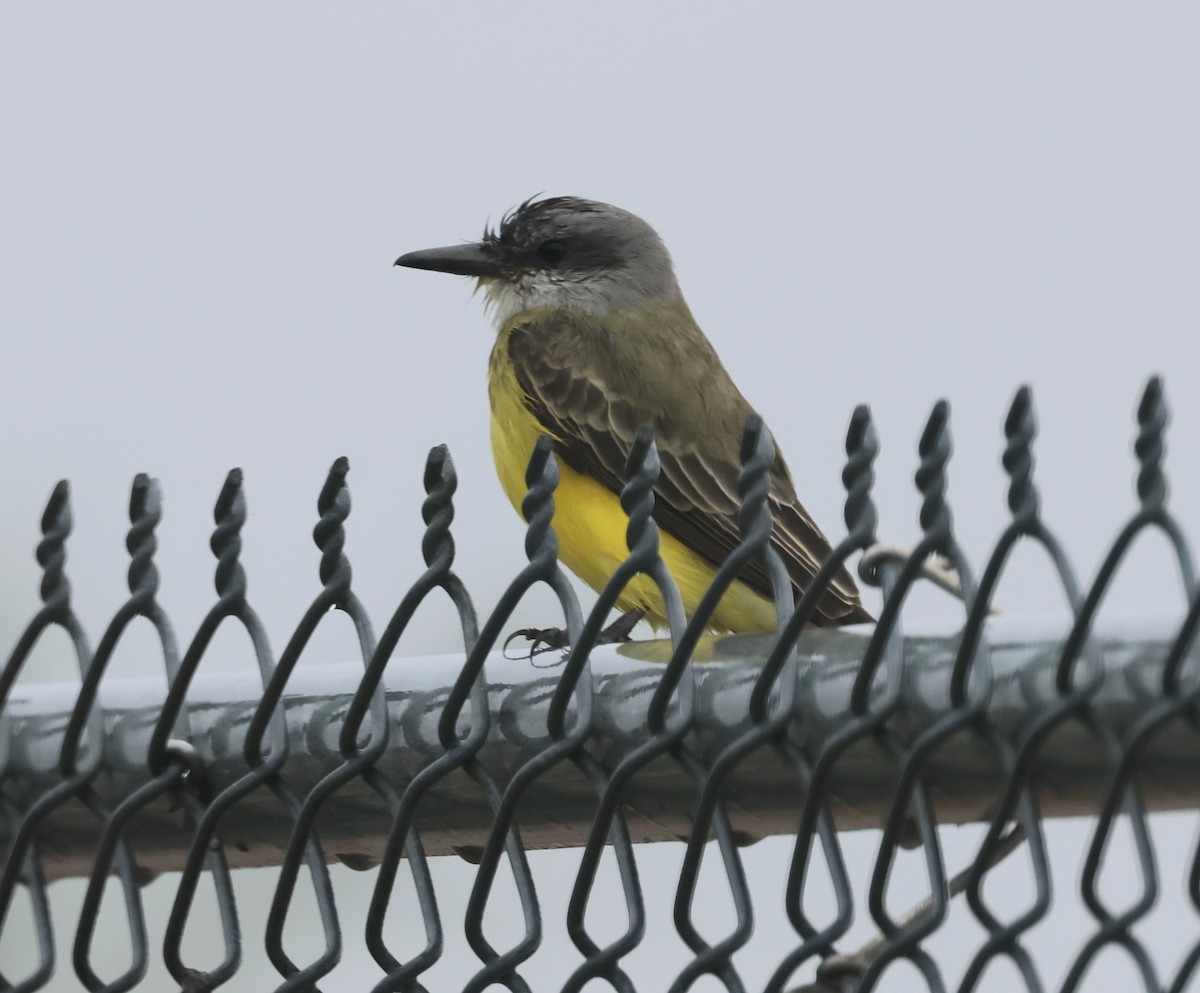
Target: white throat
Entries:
(594, 295)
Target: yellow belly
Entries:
(590, 524)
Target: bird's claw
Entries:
(542, 640)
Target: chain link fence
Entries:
(712, 742)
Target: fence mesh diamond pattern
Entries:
(714, 742)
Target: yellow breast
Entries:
(590, 522)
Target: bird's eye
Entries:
(552, 252)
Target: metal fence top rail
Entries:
(561, 805)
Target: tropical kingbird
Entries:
(594, 340)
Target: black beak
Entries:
(459, 260)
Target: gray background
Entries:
(199, 209)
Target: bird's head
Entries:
(562, 253)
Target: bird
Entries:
(594, 339)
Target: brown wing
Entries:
(593, 383)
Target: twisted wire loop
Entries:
(875, 697)
(333, 506)
(22, 863)
(1018, 800)
(575, 682)
(470, 688)
(758, 456)
(678, 689)
(461, 752)
(145, 512)
(437, 546)
(172, 764)
(230, 581)
(541, 548)
(780, 675)
(1115, 927)
(1177, 702)
(911, 811)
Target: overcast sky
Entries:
(200, 207)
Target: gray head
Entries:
(561, 252)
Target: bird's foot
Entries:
(938, 569)
(543, 640)
(540, 640)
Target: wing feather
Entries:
(593, 383)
